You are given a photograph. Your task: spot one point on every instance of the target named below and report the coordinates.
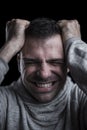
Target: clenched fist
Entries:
(70, 29)
(15, 32)
(14, 38)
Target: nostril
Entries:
(44, 70)
(38, 73)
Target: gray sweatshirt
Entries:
(68, 111)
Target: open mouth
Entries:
(44, 84)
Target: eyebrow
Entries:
(59, 60)
(31, 59)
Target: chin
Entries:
(45, 98)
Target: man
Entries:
(44, 97)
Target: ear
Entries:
(18, 61)
(68, 70)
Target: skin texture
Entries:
(41, 62)
(42, 67)
(15, 35)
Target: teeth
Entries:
(45, 85)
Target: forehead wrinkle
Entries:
(50, 47)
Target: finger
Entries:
(62, 22)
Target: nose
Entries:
(44, 70)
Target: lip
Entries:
(43, 87)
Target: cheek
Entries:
(29, 70)
(61, 70)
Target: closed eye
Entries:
(56, 62)
(30, 61)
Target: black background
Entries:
(31, 10)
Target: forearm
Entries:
(15, 38)
(3, 69)
(8, 51)
(6, 54)
(76, 53)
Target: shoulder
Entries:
(7, 93)
(76, 95)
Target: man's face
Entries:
(43, 70)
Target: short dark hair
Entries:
(42, 28)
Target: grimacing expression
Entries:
(43, 70)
